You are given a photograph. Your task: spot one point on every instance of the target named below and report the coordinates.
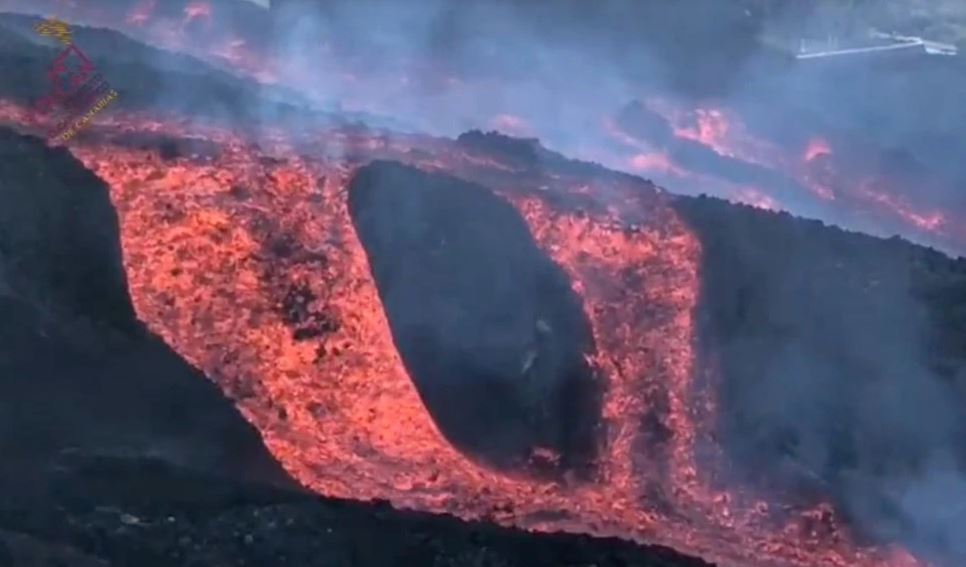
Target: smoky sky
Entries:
(564, 67)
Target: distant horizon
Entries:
(262, 3)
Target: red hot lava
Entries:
(195, 237)
(197, 240)
(836, 187)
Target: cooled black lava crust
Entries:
(843, 368)
(79, 373)
(487, 325)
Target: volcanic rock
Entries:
(79, 372)
(843, 364)
(487, 325)
(123, 512)
(837, 361)
(118, 453)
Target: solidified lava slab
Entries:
(59, 232)
(174, 516)
(843, 366)
(79, 373)
(486, 324)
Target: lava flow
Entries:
(241, 254)
(243, 257)
(723, 156)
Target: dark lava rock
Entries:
(119, 454)
(59, 232)
(143, 513)
(843, 359)
(20, 550)
(486, 324)
(78, 371)
(145, 77)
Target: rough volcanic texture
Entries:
(843, 360)
(117, 453)
(59, 233)
(78, 372)
(755, 266)
(143, 513)
(645, 124)
(487, 325)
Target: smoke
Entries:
(830, 381)
(560, 67)
(830, 387)
(559, 71)
(562, 71)
(847, 396)
(837, 388)
(445, 71)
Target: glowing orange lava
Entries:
(756, 198)
(718, 129)
(839, 190)
(340, 412)
(930, 221)
(711, 129)
(817, 170)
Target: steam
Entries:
(830, 385)
(445, 71)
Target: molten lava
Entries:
(217, 243)
(867, 199)
(141, 13)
